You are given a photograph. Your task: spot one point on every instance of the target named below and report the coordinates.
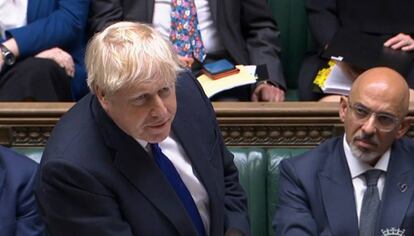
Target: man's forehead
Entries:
(147, 86)
(376, 103)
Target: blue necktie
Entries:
(178, 185)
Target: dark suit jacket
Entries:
(56, 23)
(316, 195)
(246, 28)
(96, 180)
(384, 18)
(18, 211)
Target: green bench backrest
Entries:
(291, 18)
(259, 176)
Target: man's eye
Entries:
(361, 111)
(385, 119)
(165, 91)
(141, 99)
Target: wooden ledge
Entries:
(289, 124)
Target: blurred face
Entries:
(371, 125)
(144, 111)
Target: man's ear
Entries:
(403, 127)
(102, 98)
(343, 106)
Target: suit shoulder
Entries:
(317, 155)
(75, 132)
(407, 144)
(19, 168)
(13, 160)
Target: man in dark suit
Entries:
(324, 191)
(18, 210)
(242, 31)
(102, 173)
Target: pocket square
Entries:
(393, 232)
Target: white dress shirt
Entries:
(12, 15)
(162, 22)
(357, 167)
(176, 154)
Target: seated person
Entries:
(388, 20)
(125, 161)
(42, 49)
(241, 31)
(18, 210)
(360, 183)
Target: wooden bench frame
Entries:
(289, 124)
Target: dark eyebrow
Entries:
(377, 112)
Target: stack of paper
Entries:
(337, 82)
(212, 87)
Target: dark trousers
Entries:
(35, 79)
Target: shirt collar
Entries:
(358, 167)
(143, 143)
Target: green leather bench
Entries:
(258, 174)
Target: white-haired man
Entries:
(141, 155)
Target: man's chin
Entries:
(156, 137)
(363, 154)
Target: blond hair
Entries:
(128, 53)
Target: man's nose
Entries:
(158, 107)
(368, 126)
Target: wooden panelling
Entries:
(289, 124)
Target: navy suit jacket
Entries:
(316, 195)
(18, 211)
(97, 180)
(56, 23)
(245, 27)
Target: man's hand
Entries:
(61, 57)
(186, 61)
(268, 93)
(233, 232)
(401, 41)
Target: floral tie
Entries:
(185, 34)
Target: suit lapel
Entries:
(213, 9)
(150, 10)
(199, 155)
(338, 193)
(2, 176)
(398, 189)
(141, 171)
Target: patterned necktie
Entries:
(370, 204)
(179, 187)
(184, 34)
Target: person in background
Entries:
(142, 154)
(242, 31)
(360, 183)
(42, 46)
(385, 19)
(18, 210)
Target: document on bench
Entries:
(337, 82)
(212, 87)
